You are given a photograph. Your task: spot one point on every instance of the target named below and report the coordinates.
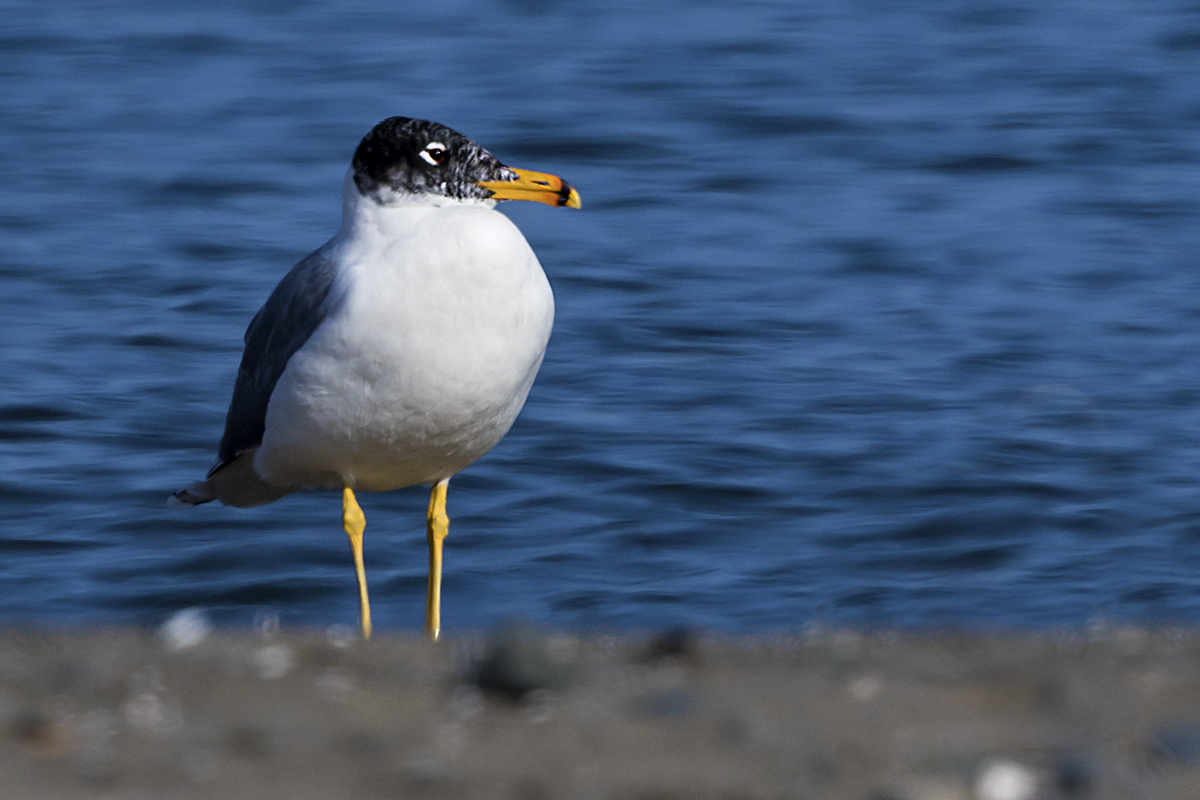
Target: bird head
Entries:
(404, 159)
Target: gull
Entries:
(402, 349)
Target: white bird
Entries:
(402, 349)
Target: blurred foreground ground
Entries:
(185, 712)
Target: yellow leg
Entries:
(437, 525)
(354, 522)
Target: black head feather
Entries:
(389, 161)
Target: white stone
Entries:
(185, 629)
(865, 688)
(1005, 780)
(273, 661)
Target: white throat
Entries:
(361, 214)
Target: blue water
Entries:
(876, 313)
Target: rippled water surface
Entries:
(875, 313)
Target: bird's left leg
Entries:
(437, 525)
(354, 522)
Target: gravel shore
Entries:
(188, 712)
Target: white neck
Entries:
(360, 214)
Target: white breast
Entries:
(438, 320)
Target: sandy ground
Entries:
(186, 712)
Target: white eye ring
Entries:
(434, 153)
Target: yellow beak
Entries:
(539, 187)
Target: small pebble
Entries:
(1005, 780)
(539, 706)
(185, 629)
(677, 643)
(340, 636)
(40, 736)
(266, 624)
(518, 662)
(334, 681)
(1178, 744)
(94, 757)
(273, 661)
(466, 702)
(865, 688)
(671, 703)
(1074, 777)
(146, 711)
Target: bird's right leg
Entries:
(437, 525)
(354, 522)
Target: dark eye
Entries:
(434, 153)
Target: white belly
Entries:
(433, 338)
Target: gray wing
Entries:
(281, 327)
